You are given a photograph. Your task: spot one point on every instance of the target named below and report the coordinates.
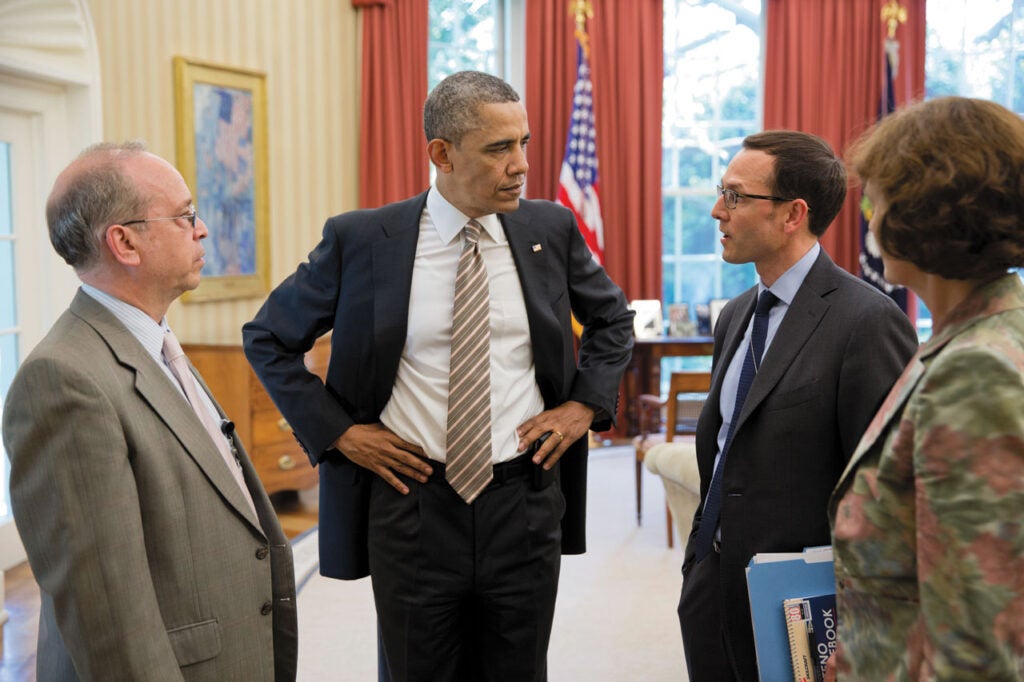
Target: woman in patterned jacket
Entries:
(928, 518)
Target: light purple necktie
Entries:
(175, 357)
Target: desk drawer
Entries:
(259, 401)
(269, 428)
(284, 467)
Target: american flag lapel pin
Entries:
(536, 248)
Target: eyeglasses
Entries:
(732, 197)
(190, 217)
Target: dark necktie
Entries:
(468, 464)
(751, 363)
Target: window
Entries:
(712, 99)
(976, 49)
(484, 35)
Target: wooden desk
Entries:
(644, 372)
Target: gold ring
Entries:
(560, 436)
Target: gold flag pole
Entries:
(893, 14)
(581, 10)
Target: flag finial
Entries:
(894, 14)
(581, 10)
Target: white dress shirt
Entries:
(418, 408)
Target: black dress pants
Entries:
(700, 619)
(466, 592)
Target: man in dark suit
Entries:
(156, 549)
(464, 565)
(813, 369)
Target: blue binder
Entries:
(772, 578)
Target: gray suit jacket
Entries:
(839, 348)
(150, 562)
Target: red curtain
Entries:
(550, 76)
(392, 158)
(627, 63)
(824, 68)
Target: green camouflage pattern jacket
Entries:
(928, 518)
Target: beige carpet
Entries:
(615, 620)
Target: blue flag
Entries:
(871, 267)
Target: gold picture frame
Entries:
(221, 141)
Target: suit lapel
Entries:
(394, 255)
(531, 254)
(733, 337)
(802, 318)
(736, 317)
(166, 401)
(529, 246)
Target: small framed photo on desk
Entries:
(648, 322)
(679, 322)
(715, 306)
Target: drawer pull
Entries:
(282, 424)
(285, 463)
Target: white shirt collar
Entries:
(148, 332)
(449, 221)
(785, 287)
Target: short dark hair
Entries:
(452, 107)
(805, 168)
(92, 199)
(952, 173)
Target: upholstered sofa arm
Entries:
(676, 464)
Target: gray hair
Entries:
(88, 200)
(451, 109)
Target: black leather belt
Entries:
(513, 469)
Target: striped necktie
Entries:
(468, 460)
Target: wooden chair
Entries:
(649, 411)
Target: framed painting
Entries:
(221, 139)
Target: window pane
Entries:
(462, 35)
(700, 230)
(737, 278)
(976, 49)
(695, 166)
(8, 313)
(670, 236)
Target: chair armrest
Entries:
(675, 462)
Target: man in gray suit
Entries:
(795, 381)
(156, 549)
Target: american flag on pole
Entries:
(577, 182)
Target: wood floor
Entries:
(296, 511)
